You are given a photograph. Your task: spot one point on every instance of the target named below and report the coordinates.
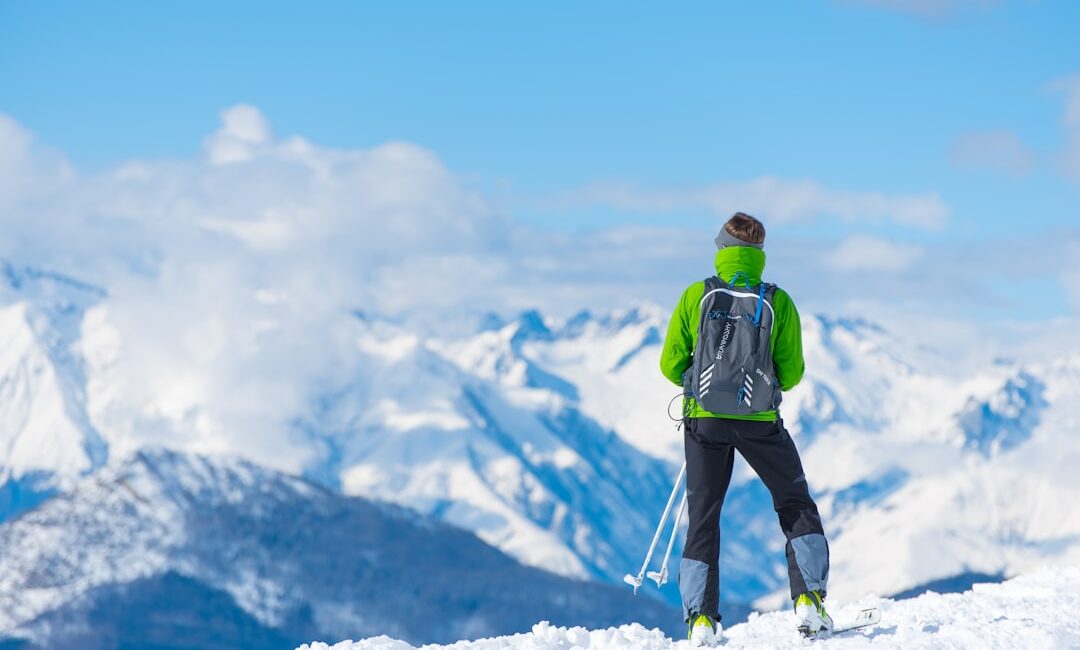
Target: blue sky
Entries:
(537, 105)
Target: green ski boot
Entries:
(704, 632)
(810, 610)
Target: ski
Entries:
(865, 618)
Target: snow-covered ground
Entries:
(1033, 611)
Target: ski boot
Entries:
(810, 610)
(704, 632)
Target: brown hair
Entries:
(746, 228)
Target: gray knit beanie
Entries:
(725, 239)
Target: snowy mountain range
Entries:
(548, 438)
(175, 550)
(480, 436)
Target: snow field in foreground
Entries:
(1041, 610)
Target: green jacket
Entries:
(785, 340)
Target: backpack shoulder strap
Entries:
(770, 291)
(767, 292)
(713, 282)
(712, 285)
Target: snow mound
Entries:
(1033, 611)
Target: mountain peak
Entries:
(34, 282)
(531, 326)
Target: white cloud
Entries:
(926, 8)
(243, 131)
(777, 200)
(1005, 152)
(868, 253)
(232, 278)
(999, 151)
(27, 170)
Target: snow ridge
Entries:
(1032, 611)
(46, 438)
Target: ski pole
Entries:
(661, 576)
(635, 582)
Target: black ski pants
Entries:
(769, 450)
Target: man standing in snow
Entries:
(734, 343)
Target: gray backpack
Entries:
(732, 371)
